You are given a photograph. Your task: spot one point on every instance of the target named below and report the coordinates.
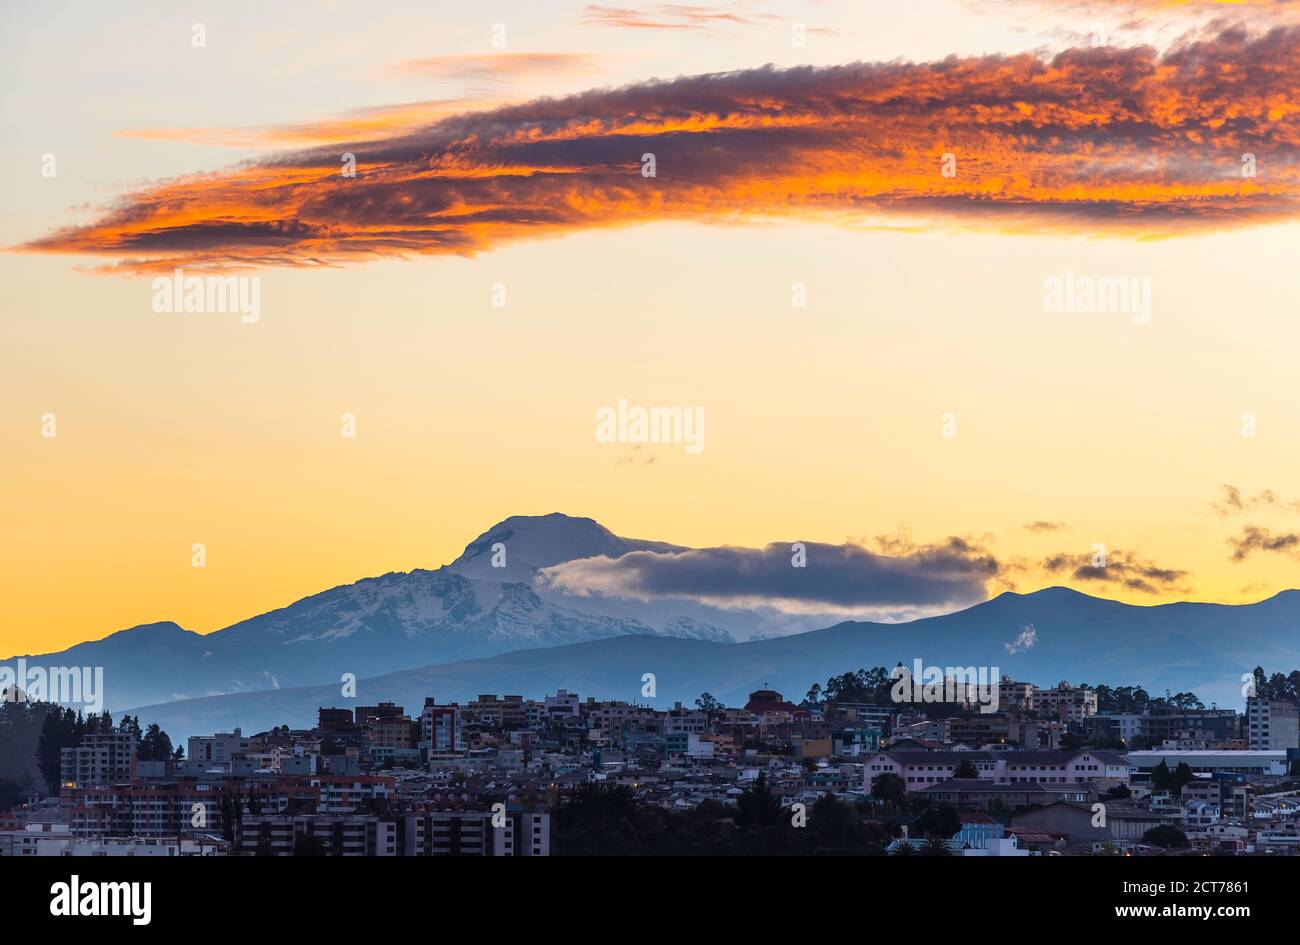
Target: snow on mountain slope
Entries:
(462, 611)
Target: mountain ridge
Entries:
(383, 623)
(1205, 649)
(469, 609)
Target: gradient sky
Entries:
(823, 423)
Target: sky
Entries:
(844, 260)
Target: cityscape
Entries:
(1063, 770)
(722, 432)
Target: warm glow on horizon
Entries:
(923, 303)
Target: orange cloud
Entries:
(670, 16)
(367, 123)
(499, 66)
(1260, 10)
(1092, 140)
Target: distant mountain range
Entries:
(471, 628)
(378, 625)
(1203, 648)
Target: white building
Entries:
(1272, 724)
(217, 749)
(919, 769)
(1257, 763)
(562, 705)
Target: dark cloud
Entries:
(1255, 538)
(1116, 567)
(1233, 502)
(844, 578)
(1041, 526)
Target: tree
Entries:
(14, 790)
(60, 730)
(706, 703)
(1167, 836)
(939, 822)
(758, 806)
(966, 770)
(1161, 779)
(155, 745)
(889, 787)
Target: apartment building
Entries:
(1017, 694)
(1003, 729)
(331, 835)
(680, 721)
(1072, 703)
(509, 712)
(1272, 724)
(562, 705)
(440, 728)
(103, 757)
(474, 833)
(219, 748)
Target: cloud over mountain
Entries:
(833, 578)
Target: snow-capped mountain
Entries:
(465, 610)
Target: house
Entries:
(960, 792)
(1082, 823)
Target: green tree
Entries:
(155, 745)
(965, 770)
(60, 730)
(706, 703)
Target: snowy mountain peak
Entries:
(530, 542)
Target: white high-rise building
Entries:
(1272, 724)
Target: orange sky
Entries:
(923, 295)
